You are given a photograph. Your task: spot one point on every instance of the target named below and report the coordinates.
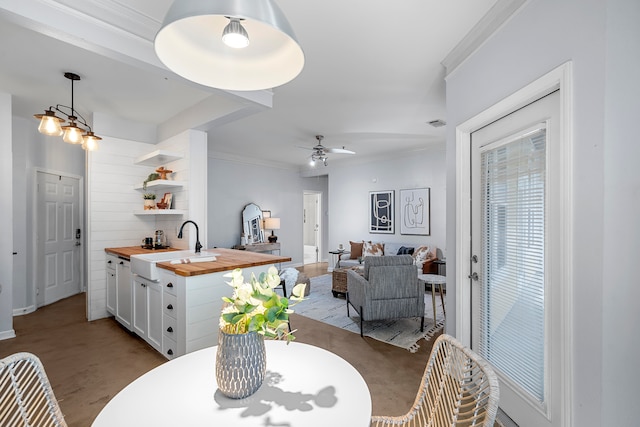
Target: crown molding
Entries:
(497, 16)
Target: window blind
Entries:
(513, 179)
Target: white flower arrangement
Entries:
(255, 306)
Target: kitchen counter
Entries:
(126, 252)
(176, 309)
(227, 260)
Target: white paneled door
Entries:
(59, 238)
(515, 236)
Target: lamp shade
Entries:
(50, 123)
(272, 223)
(190, 44)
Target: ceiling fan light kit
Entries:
(320, 152)
(190, 43)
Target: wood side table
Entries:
(434, 280)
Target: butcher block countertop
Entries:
(226, 260)
(127, 251)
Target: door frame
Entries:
(37, 299)
(559, 78)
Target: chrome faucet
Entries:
(198, 245)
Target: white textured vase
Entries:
(241, 363)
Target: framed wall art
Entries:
(381, 212)
(415, 211)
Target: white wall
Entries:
(349, 188)
(541, 36)
(620, 291)
(6, 217)
(232, 184)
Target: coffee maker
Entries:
(160, 240)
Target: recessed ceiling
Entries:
(373, 77)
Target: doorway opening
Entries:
(312, 226)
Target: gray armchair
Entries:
(387, 289)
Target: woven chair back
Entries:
(26, 397)
(458, 388)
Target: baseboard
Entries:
(5, 335)
(24, 310)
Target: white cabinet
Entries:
(147, 311)
(154, 315)
(110, 268)
(139, 321)
(123, 292)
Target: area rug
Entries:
(321, 305)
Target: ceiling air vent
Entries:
(437, 123)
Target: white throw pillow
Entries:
(421, 254)
(372, 249)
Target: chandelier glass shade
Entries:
(190, 43)
(77, 131)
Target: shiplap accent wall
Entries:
(112, 199)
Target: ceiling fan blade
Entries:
(339, 151)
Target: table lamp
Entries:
(272, 224)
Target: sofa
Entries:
(423, 255)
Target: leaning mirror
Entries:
(252, 223)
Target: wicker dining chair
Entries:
(458, 388)
(26, 397)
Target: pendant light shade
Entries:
(72, 133)
(190, 44)
(90, 141)
(49, 123)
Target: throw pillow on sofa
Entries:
(373, 249)
(405, 251)
(422, 254)
(356, 249)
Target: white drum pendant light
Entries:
(190, 44)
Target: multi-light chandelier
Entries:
(77, 131)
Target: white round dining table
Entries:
(304, 386)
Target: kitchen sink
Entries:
(145, 264)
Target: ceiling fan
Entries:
(320, 151)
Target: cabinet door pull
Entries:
(169, 329)
(170, 307)
(109, 262)
(169, 285)
(170, 352)
(121, 262)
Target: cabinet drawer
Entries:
(170, 325)
(168, 284)
(169, 348)
(170, 305)
(110, 263)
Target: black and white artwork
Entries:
(415, 211)
(381, 212)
